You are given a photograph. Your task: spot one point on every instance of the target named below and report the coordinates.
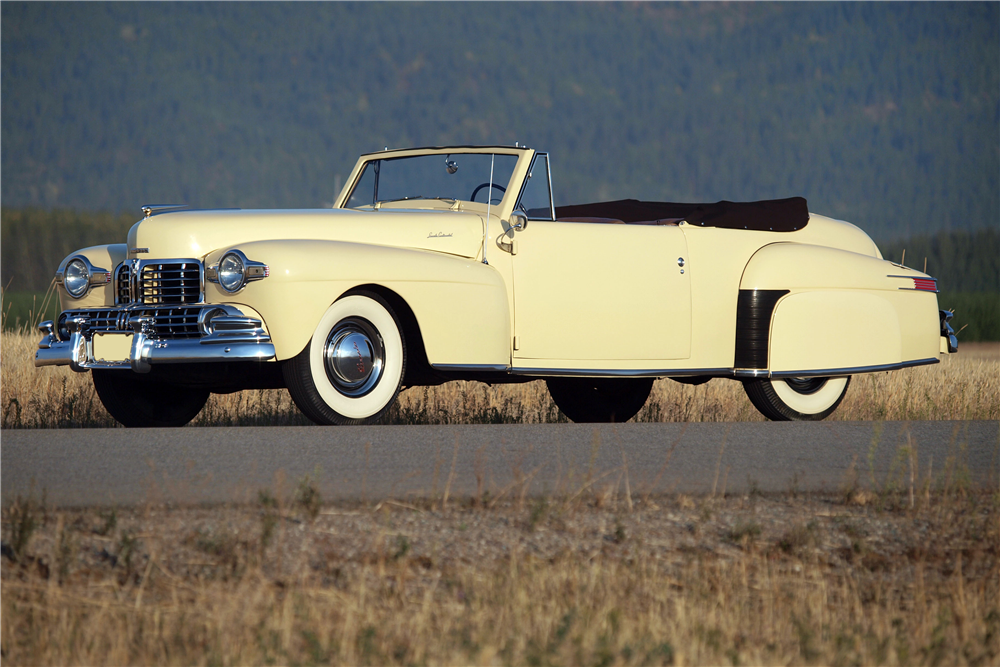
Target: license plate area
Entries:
(112, 347)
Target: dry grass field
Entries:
(963, 386)
(596, 577)
(590, 579)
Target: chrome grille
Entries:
(181, 322)
(123, 284)
(155, 282)
(170, 282)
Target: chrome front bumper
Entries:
(234, 337)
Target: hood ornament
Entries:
(153, 209)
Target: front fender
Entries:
(842, 310)
(459, 304)
(102, 257)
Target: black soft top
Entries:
(776, 215)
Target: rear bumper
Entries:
(949, 341)
(234, 337)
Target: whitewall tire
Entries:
(352, 368)
(796, 399)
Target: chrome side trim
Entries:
(645, 373)
(457, 368)
(835, 372)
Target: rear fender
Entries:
(841, 310)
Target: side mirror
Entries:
(518, 221)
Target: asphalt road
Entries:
(91, 467)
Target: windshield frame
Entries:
(526, 180)
(522, 154)
(375, 161)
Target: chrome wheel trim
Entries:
(354, 357)
(812, 396)
(357, 307)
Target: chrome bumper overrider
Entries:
(234, 337)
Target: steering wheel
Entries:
(486, 185)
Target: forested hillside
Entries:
(887, 115)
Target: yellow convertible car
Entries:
(437, 264)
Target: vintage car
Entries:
(437, 264)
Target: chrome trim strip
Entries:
(916, 289)
(591, 372)
(834, 372)
(455, 368)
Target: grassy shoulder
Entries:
(963, 386)
(599, 577)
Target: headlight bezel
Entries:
(76, 277)
(232, 272)
(83, 275)
(248, 271)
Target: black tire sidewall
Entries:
(599, 400)
(136, 403)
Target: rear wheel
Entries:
(352, 368)
(600, 399)
(145, 404)
(796, 399)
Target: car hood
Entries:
(194, 234)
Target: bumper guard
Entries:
(234, 337)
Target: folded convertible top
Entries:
(776, 215)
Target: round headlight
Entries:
(76, 278)
(232, 272)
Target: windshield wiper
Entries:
(389, 201)
(447, 200)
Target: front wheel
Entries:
(600, 399)
(352, 368)
(796, 399)
(144, 403)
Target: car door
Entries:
(594, 295)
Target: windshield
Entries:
(464, 176)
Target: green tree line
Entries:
(884, 114)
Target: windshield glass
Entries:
(464, 176)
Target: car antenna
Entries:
(489, 201)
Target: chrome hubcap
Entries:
(354, 357)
